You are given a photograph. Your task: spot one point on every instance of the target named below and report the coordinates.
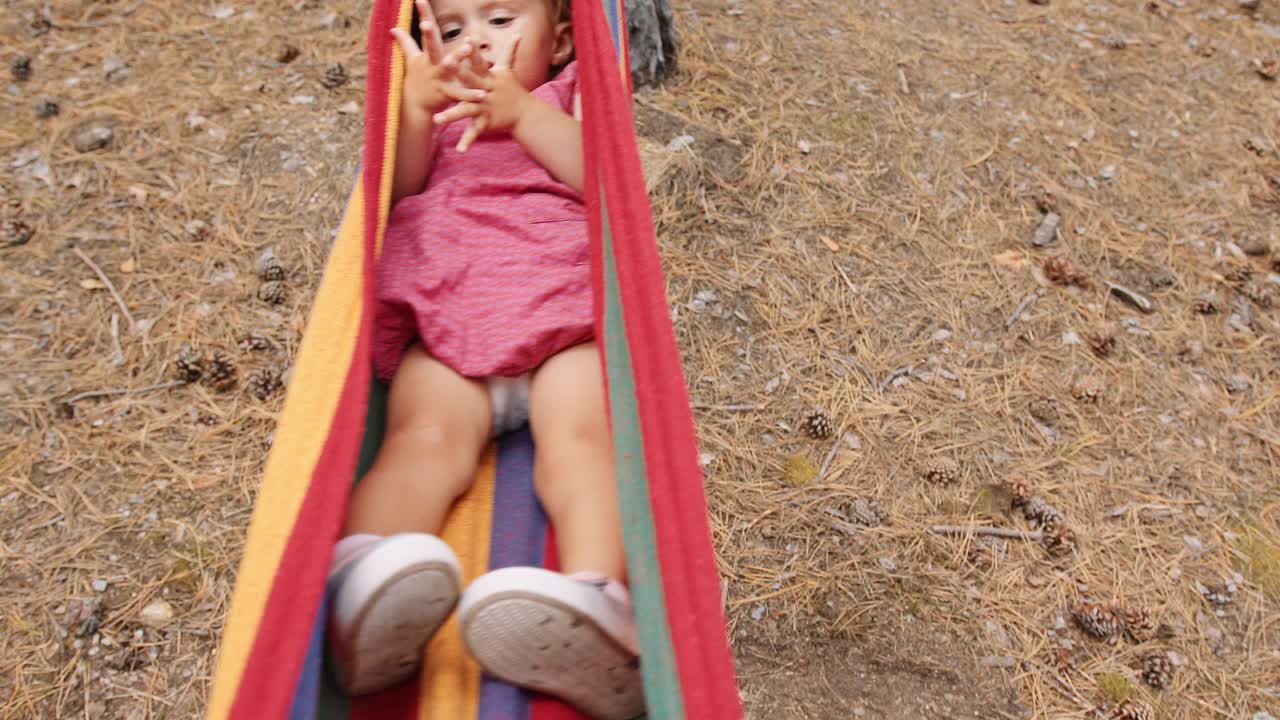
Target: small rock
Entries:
(887, 564)
(1107, 172)
(351, 108)
(302, 100)
(1267, 68)
(1046, 233)
(100, 585)
(1115, 42)
(114, 69)
(1254, 245)
(1251, 5)
(805, 147)
(680, 142)
(852, 441)
(94, 136)
(222, 12)
(1070, 337)
(46, 108)
(157, 613)
(1237, 384)
(942, 336)
(758, 611)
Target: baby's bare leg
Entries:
(438, 422)
(573, 466)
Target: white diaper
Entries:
(509, 399)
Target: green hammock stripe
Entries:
(661, 676)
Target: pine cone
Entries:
(1137, 623)
(1205, 305)
(818, 426)
(1087, 389)
(189, 364)
(1061, 271)
(867, 512)
(1019, 490)
(1238, 274)
(264, 383)
(1102, 344)
(1045, 409)
(14, 233)
(287, 54)
(222, 371)
(1261, 294)
(942, 471)
(1059, 540)
(333, 77)
(1132, 710)
(272, 292)
(47, 108)
(1098, 621)
(1046, 201)
(986, 551)
(255, 342)
(268, 266)
(1041, 512)
(20, 68)
(197, 230)
(1115, 41)
(1158, 669)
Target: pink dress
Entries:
(488, 266)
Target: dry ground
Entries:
(847, 233)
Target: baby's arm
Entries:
(553, 138)
(415, 149)
(430, 83)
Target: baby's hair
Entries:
(560, 10)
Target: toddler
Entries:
(484, 322)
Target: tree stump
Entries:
(651, 34)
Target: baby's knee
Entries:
(447, 458)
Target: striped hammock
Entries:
(271, 662)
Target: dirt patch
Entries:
(920, 673)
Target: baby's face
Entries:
(492, 25)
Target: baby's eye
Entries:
(450, 33)
(501, 21)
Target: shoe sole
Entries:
(552, 646)
(390, 630)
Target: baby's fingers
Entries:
(457, 112)
(472, 132)
(454, 91)
(411, 49)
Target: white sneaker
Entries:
(564, 636)
(386, 605)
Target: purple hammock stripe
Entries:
(518, 537)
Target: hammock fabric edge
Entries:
(273, 618)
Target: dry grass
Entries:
(930, 129)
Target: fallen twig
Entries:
(1022, 307)
(133, 325)
(894, 376)
(744, 407)
(1032, 535)
(122, 391)
(831, 455)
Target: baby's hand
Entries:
(502, 103)
(432, 79)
